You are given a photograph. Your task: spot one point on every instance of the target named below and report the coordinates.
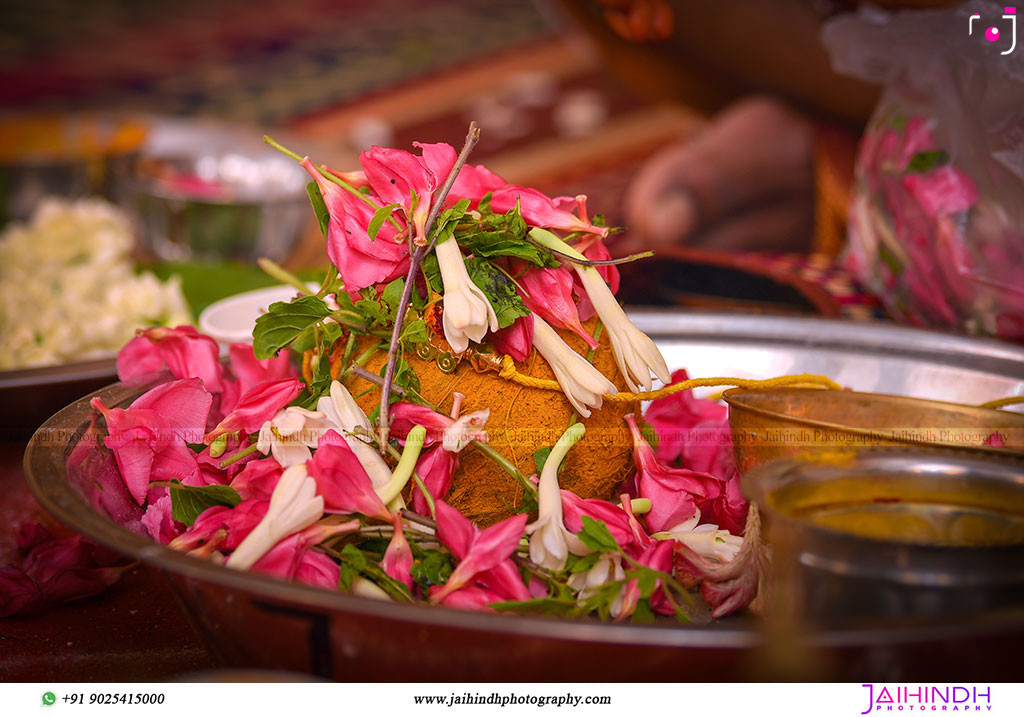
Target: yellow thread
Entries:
(1000, 402)
(509, 371)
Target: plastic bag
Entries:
(936, 224)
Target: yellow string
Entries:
(1000, 402)
(509, 371)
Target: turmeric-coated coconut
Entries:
(522, 420)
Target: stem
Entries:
(284, 276)
(577, 258)
(406, 465)
(383, 422)
(419, 519)
(393, 452)
(235, 457)
(508, 466)
(373, 378)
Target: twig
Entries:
(373, 378)
(417, 518)
(384, 425)
(590, 262)
(285, 277)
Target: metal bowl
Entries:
(895, 533)
(805, 422)
(202, 191)
(250, 620)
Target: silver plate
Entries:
(873, 356)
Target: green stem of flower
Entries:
(237, 456)
(508, 466)
(417, 480)
(406, 465)
(561, 250)
(284, 276)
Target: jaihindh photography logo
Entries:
(927, 698)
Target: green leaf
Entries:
(371, 311)
(497, 235)
(596, 536)
(352, 563)
(499, 290)
(414, 332)
(540, 457)
(284, 322)
(432, 273)
(189, 502)
(927, 161)
(445, 224)
(379, 217)
(392, 294)
(643, 615)
(582, 565)
(558, 607)
(433, 568)
(647, 581)
(323, 216)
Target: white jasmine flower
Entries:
(582, 384)
(294, 505)
(706, 540)
(550, 541)
(290, 434)
(608, 568)
(467, 313)
(344, 415)
(636, 355)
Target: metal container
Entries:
(250, 620)
(894, 534)
(804, 422)
(208, 191)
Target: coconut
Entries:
(522, 420)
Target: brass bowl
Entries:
(809, 423)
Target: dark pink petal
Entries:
(397, 560)
(941, 191)
(515, 340)
(186, 353)
(285, 559)
(182, 405)
(342, 481)
(67, 569)
(473, 182)
(32, 534)
(614, 517)
(317, 569)
(251, 371)
(471, 597)
(548, 293)
(540, 211)
(504, 580)
(18, 592)
(257, 406)
(224, 527)
(139, 357)
(159, 522)
(406, 416)
(488, 548)
(438, 158)
(729, 510)
(360, 260)
(673, 416)
(257, 479)
(92, 470)
(673, 492)
(436, 467)
(454, 530)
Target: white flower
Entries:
(582, 384)
(706, 540)
(344, 415)
(608, 568)
(550, 541)
(290, 434)
(635, 353)
(465, 429)
(294, 505)
(467, 312)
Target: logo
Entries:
(993, 33)
(49, 698)
(928, 698)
